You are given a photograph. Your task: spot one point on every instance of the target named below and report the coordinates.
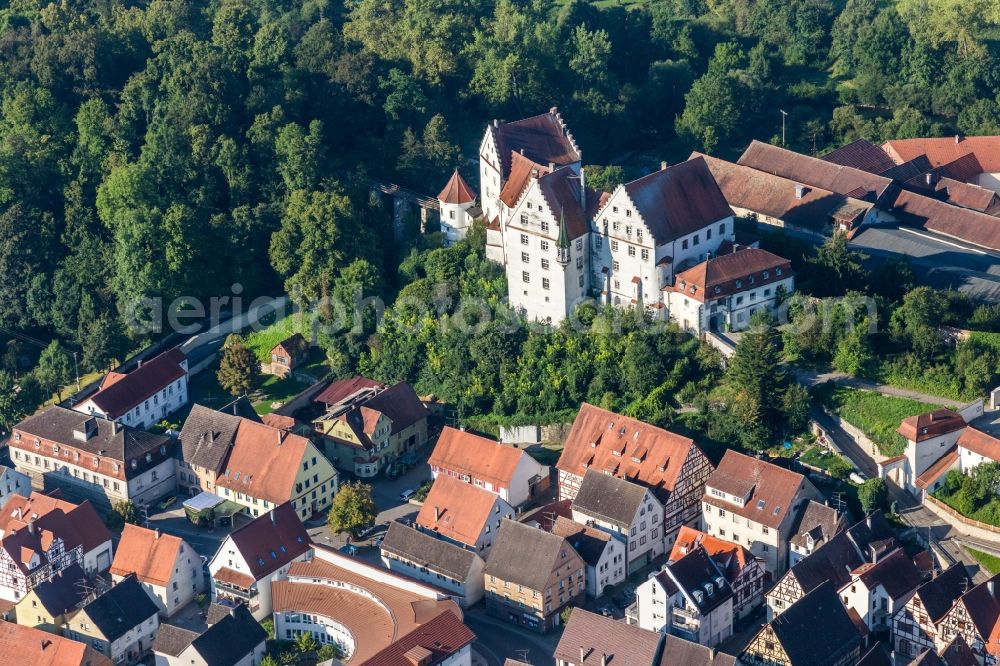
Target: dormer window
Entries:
(97, 461)
(750, 279)
(135, 464)
(760, 504)
(149, 457)
(55, 449)
(163, 449)
(777, 271)
(117, 467)
(17, 437)
(765, 275)
(718, 289)
(38, 443)
(739, 283)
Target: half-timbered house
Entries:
(976, 618)
(744, 572)
(916, 627)
(670, 465)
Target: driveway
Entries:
(497, 641)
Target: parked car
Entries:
(168, 502)
(349, 549)
(407, 494)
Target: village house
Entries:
(976, 618)
(254, 465)
(501, 469)
(594, 640)
(878, 590)
(368, 426)
(27, 645)
(919, 625)
(463, 514)
(288, 354)
(236, 639)
(755, 503)
(531, 575)
(168, 568)
(785, 203)
(690, 598)
(671, 466)
(603, 554)
(358, 608)
(815, 525)
(866, 542)
(956, 653)
(654, 227)
(13, 482)
(816, 631)
(947, 150)
(627, 511)
(410, 552)
(255, 555)
(145, 396)
(456, 203)
(47, 605)
(745, 573)
(723, 292)
(90, 457)
(42, 535)
(930, 452)
(120, 623)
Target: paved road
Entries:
(808, 377)
(498, 640)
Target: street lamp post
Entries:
(784, 114)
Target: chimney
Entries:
(930, 178)
(800, 190)
(157, 532)
(31, 527)
(989, 586)
(958, 139)
(496, 123)
(437, 513)
(552, 166)
(139, 364)
(604, 659)
(583, 191)
(868, 521)
(534, 174)
(45, 643)
(281, 436)
(663, 165)
(521, 151)
(273, 522)
(583, 654)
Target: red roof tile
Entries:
(930, 424)
(731, 557)
(465, 453)
(233, 577)
(947, 149)
(271, 541)
(935, 471)
(263, 462)
(651, 456)
(21, 646)
(542, 139)
(521, 171)
(457, 510)
(862, 155)
(718, 276)
(148, 554)
(121, 395)
(770, 490)
(979, 442)
(433, 641)
(457, 191)
(938, 216)
(343, 388)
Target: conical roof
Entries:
(457, 191)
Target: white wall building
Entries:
(412, 553)
(13, 482)
(456, 203)
(168, 567)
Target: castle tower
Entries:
(454, 201)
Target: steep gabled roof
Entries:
(609, 498)
(726, 274)
(456, 191)
(63, 591)
(983, 605)
(425, 550)
(939, 594)
(818, 521)
(678, 200)
(458, 510)
(207, 436)
(930, 424)
(977, 441)
(808, 170)
(118, 397)
(231, 639)
(263, 462)
(121, 609)
(771, 490)
(428, 644)
(860, 154)
(895, 573)
(27, 645)
(542, 139)
(146, 553)
(49, 517)
(602, 640)
(701, 580)
(731, 557)
(588, 542)
(947, 149)
(816, 630)
(271, 541)
(649, 456)
(344, 388)
(466, 453)
(525, 555)
(941, 217)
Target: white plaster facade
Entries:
(642, 537)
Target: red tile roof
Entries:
(433, 641)
(24, 646)
(731, 557)
(718, 276)
(263, 462)
(343, 388)
(770, 489)
(862, 155)
(233, 577)
(521, 171)
(147, 553)
(457, 510)
(542, 139)
(947, 149)
(457, 191)
(814, 171)
(121, 395)
(272, 540)
(678, 200)
(980, 442)
(935, 471)
(50, 517)
(983, 605)
(651, 456)
(930, 424)
(465, 453)
(561, 191)
(941, 217)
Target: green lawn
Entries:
(875, 414)
(274, 390)
(834, 464)
(987, 339)
(262, 342)
(989, 562)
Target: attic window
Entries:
(163, 449)
(117, 467)
(718, 289)
(777, 509)
(765, 275)
(709, 589)
(274, 555)
(149, 457)
(38, 443)
(923, 431)
(663, 467)
(260, 561)
(611, 425)
(760, 504)
(76, 455)
(282, 549)
(777, 271)
(55, 449)
(593, 444)
(17, 437)
(236, 476)
(135, 463)
(621, 432)
(97, 461)
(750, 279)
(298, 539)
(739, 283)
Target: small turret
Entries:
(562, 245)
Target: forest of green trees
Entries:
(170, 148)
